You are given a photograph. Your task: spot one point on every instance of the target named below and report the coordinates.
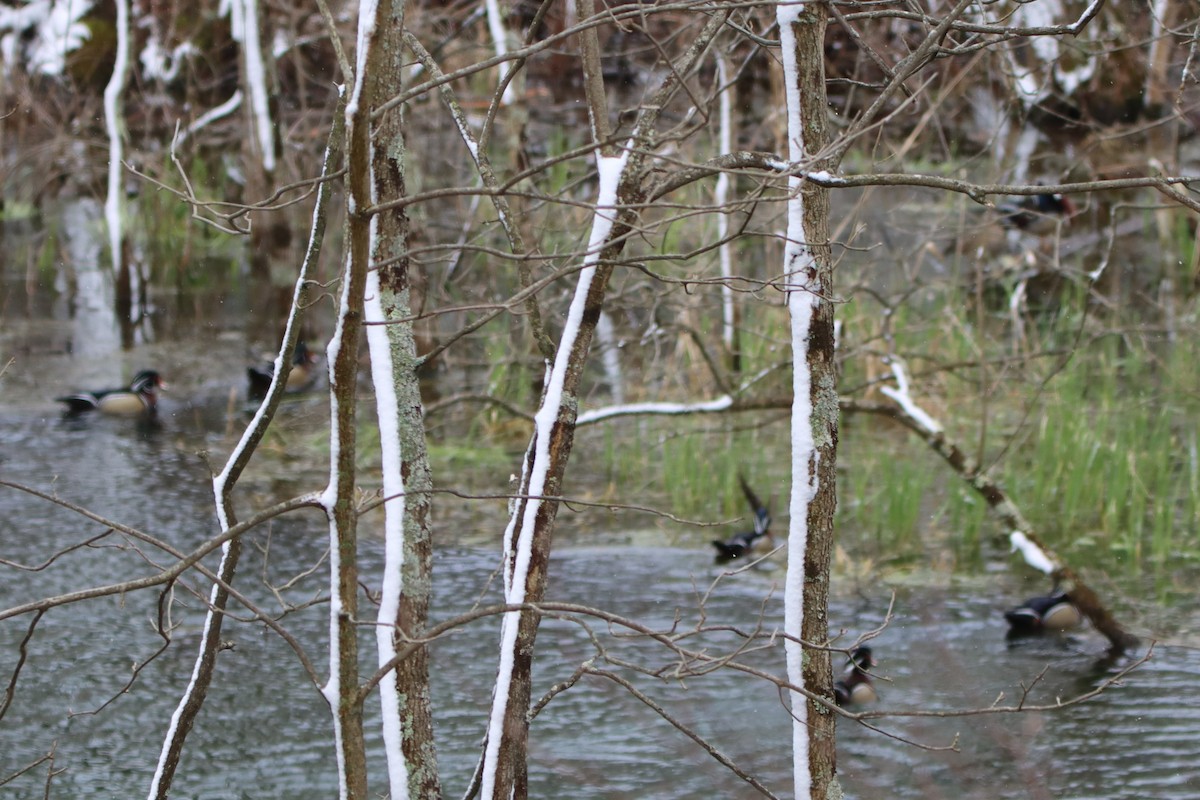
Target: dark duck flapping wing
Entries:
(1037, 213)
(743, 543)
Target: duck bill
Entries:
(1068, 208)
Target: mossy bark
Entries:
(390, 249)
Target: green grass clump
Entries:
(1109, 472)
(884, 493)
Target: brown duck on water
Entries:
(140, 397)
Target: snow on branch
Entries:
(209, 117)
(1034, 555)
(629, 409)
(1022, 537)
(902, 396)
(43, 33)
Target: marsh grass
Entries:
(1109, 473)
(1102, 455)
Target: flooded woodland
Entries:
(601, 399)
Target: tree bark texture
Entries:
(343, 696)
(809, 32)
(391, 249)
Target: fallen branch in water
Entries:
(1037, 555)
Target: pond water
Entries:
(265, 731)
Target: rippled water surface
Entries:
(265, 732)
(94, 688)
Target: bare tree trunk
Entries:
(342, 691)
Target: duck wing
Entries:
(80, 402)
(762, 515)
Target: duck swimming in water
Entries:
(1052, 612)
(854, 688)
(301, 376)
(140, 397)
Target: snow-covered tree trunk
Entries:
(244, 24)
(341, 690)
(194, 695)
(720, 198)
(527, 539)
(808, 273)
(404, 607)
(113, 124)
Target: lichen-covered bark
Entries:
(342, 692)
(390, 248)
(810, 34)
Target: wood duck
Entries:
(855, 687)
(1052, 612)
(300, 377)
(1037, 214)
(742, 544)
(141, 397)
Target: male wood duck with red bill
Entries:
(301, 376)
(1037, 214)
(855, 687)
(1052, 612)
(742, 544)
(141, 397)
